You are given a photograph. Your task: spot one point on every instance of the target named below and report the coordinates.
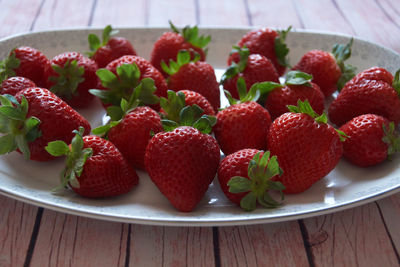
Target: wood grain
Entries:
(223, 13)
(17, 221)
(278, 244)
(390, 209)
(181, 13)
(355, 237)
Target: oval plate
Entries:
(345, 187)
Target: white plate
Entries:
(347, 186)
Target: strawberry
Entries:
(370, 139)
(15, 84)
(131, 126)
(298, 85)
(122, 75)
(194, 98)
(246, 177)
(328, 69)
(306, 146)
(111, 48)
(371, 91)
(244, 124)
(170, 43)
(253, 68)
(27, 62)
(94, 167)
(194, 75)
(183, 160)
(70, 76)
(34, 117)
(268, 43)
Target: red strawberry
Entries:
(306, 146)
(123, 74)
(94, 167)
(244, 124)
(253, 68)
(15, 84)
(27, 62)
(32, 119)
(132, 126)
(328, 69)
(370, 139)
(70, 76)
(246, 178)
(110, 48)
(194, 98)
(166, 48)
(298, 85)
(268, 43)
(371, 91)
(198, 76)
(183, 161)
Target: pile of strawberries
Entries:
(165, 116)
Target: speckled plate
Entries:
(345, 187)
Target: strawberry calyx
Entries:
(191, 35)
(281, 49)
(260, 172)
(68, 79)
(95, 43)
(341, 53)
(142, 94)
(305, 107)
(256, 91)
(236, 68)
(7, 67)
(396, 82)
(17, 130)
(391, 138)
(178, 114)
(296, 77)
(183, 58)
(75, 161)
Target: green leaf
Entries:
(191, 35)
(342, 52)
(94, 42)
(7, 144)
(305, 107)
(391, 138)
(32, 129)
(348, 73)
(236, 68)
(342, 135)
(249, 202)
(205, 124)
(68, 79)
(238, 184)
(57, 148)
(23, 146)
(396, 82)
(7, 66)
(169, 125)
(281, 48)
(107, 78)
(298, 78)
(241, 87)
(101, 130)
(12, 113)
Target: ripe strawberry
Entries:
(110, 48)
(328, 69)
(194, 98)
(27, 62)
(70, 76)
(166, 48)
(34, 117)
(15, 84)
(183, 162)
(119, 80)
(268, 43)
(244, 124)
(131, 126)
(298, 85)
(194, 75)
(94, 167)
(253, 68)
(306, 146)
(370, 139)
(371, 91)
(246, 177)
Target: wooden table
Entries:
(364, 236)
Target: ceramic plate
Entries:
(346, 186)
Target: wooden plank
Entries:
(280, 14)
(331, 21)
(17, 221)
(171, 246)
(376, 27)
(68, 240)
(15, 19)
(390, 209)
(277, 244)
(181, 13)
(223, 13)
(53, 14)
(391, 9)
(120, 13)
(355, 237)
